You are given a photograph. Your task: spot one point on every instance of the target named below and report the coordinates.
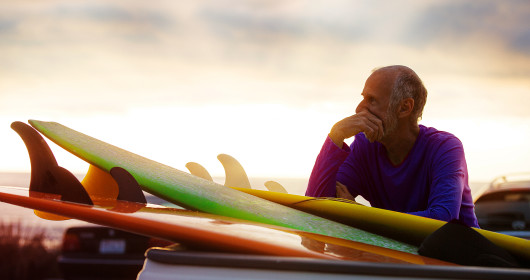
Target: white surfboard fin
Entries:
(234, 172)
(198, 170)
(275, 187)
(235, 175)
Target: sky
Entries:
(263, 81)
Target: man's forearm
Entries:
(323, 176)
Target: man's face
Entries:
(376, 100)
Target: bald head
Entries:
(406, 84)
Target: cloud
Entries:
(407, 22)
(463, 21)
(486, 38)
(7, 25)
(301, 53)
(294, 20)
(305, 61)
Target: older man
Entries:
(394, 162)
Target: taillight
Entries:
(71, 242)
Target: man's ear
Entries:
(407, 105)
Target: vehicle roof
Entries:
(508, 182)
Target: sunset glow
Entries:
(263, 81)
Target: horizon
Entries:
(295, 186)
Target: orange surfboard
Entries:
(213, 232)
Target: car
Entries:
(504, 206)
(98, 252)
(175, 263)
(101, 252)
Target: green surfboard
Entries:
(199, 194)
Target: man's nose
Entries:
(361, 107)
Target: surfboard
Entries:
(400, 226)
(197, 230)
(196, 193)
(115, 190)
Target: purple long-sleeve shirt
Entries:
(431, 182)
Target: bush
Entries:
(23, 254)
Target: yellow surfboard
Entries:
(399, 226)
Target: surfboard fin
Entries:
(129, 189)
(47, 177)
(198, 170)
(275, 187)
(100, 184)
(235, 175)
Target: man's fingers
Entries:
(364, 121)
(376, 124)
(342, 192)
(372, 132)
(373, 125)
(340, 188)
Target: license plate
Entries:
(112, 246)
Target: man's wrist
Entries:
(337, 139)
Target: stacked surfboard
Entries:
(389, 235)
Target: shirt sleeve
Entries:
(323, 177)
(449, 178)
